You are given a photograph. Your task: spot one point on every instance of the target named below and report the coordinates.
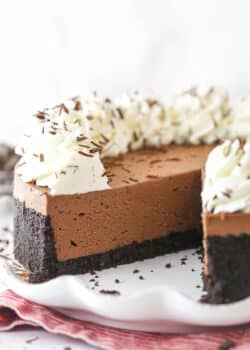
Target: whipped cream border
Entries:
(94, 128)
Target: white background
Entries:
(52, 49)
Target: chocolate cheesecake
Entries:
(226, 223)
(104, 183)
(146, 213)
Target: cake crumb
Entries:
(168, 265)
(141, 278)
(110, 292)
(117, 280)
(136, 271)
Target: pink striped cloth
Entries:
(16, 311)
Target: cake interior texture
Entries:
(152, 208)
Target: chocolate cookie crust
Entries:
(227, 277)
(35, 248)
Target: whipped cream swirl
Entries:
(58, 152)
(144, 116)
(199, 115)
(239, 119)
(227, 178)
(107, 125)
(64, 146)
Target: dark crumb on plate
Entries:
(117, 280)
(168, 265)
(97, 284)
(193, 270)
(151, 270)
(31, 340)
(199, 252)
(92, 280)
(136, 271)
(183, 262)
(110, 292)
(198, 286)
(227, 344)
(141, 278)
(67, 348)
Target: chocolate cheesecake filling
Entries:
(154, 193)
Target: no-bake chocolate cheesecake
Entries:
(103, 183)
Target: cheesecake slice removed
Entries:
(226, 223)
(152, 208)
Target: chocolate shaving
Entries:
(85, 154)
(81, 138)
(41, 157)
(96, 144)
(62, 108)
(104, 138)
(31, 340)
(227, 193)
(135, 136)
(78, 106)
(73, 243)
(40, 115)
(120, 113)
(65, 126)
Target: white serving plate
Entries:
(166, 300)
